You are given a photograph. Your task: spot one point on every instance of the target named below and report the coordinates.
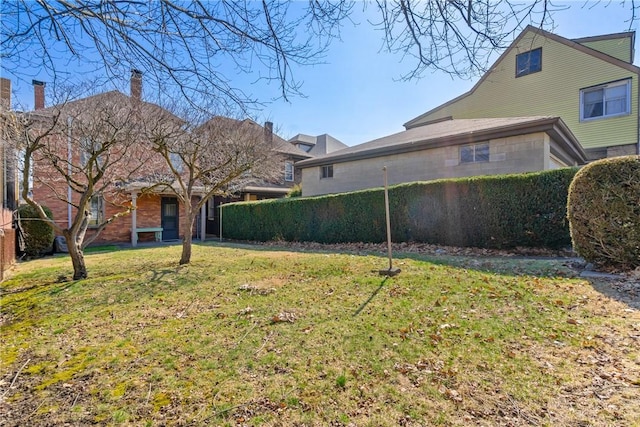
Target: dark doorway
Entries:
(169, 218)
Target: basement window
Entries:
(326, 171)
(475, 153)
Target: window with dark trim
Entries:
(607, 100)
(474, 153)
(326, 171)
(529, 62)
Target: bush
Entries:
(38, 235)
(490, 211)
(296, 191)
(604, 212)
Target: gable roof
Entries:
(538, 32)
(454, 132)
(87, 104)
(280, 145)
(615, 36)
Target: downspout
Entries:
(638, 114)
(134, 219)
(69, 170)
(5, 193)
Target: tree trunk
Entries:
(77, 257)
(186, 241)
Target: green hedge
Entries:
(604, 212)
(38, 235)
(489, 211)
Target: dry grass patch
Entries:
(253, 337)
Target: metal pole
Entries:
(220, 206)
(386, 207)
(391, 271)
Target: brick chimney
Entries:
(38, 94)
(5, 93)
(268, 132)
(136, 84)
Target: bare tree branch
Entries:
(176, 43)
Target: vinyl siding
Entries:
(554, 91)
(618, 48)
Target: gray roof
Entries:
(306, 139)
(280, 145)
(320, 145)
(453, 132)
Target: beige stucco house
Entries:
(446, 149)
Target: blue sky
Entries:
(357, 94)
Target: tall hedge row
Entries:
(490, 211)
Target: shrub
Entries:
(296, 191)
(38, 235)
(491, 211)
(604, 212)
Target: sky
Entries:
(357, 94)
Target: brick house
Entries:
(155, 212)
(8, 189)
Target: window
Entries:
(474, 153)
(288, 171)
(89, 148)
(176, 162)
(326, 171)
(211, 208)
(529, 62)
(611, 99)
(305, 147)
(96, 211)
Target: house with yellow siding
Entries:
(547, 102)
(590, 83)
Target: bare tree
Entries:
(189, 45)
(461, 37)
(183, 44)
(80, 154)
(219, 157)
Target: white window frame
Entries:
(326, 172)
(604, 87)
(96, 205)
(88, 148)
(474, 153)
(289, 173)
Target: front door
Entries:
(169, 218)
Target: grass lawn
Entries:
(246, 336)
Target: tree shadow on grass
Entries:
(364, 304)
(535, 266)
(31, 297)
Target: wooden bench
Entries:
(156, 230)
